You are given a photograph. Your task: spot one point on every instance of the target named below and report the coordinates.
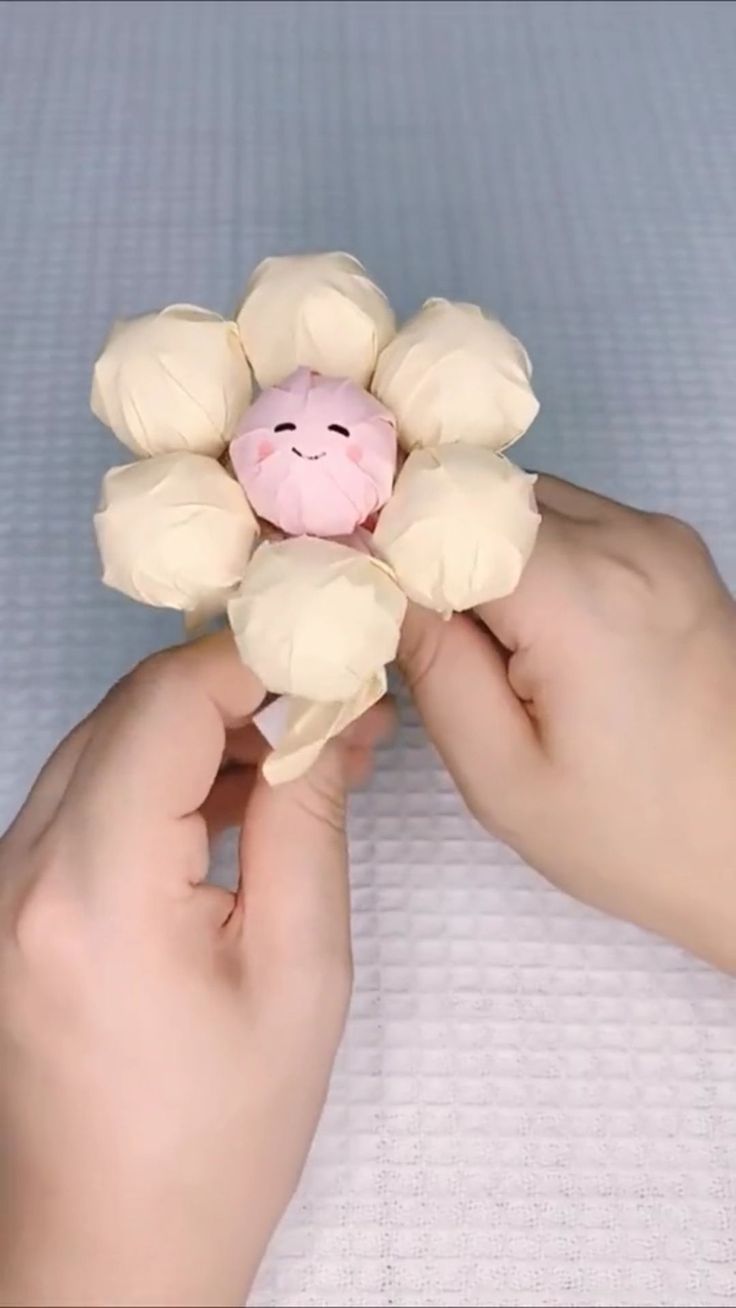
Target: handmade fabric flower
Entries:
(317, 616)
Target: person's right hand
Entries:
(589, 720)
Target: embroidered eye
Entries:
(341, 431)
(285, 426)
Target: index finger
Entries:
(158, 739)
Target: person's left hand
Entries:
(166, 1045)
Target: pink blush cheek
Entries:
(355, 453)
(248, 450)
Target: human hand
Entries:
(589, 720)
(165, 1045)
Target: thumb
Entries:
(457, 676)
(296, 902)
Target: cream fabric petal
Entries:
(310, 725)
(175, 531)
(318, 311)
(316, 619)
(173, 380)
(459, 527)
(454, 374)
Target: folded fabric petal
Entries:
(320, 311)
(175, 531)
(310, 725)
(453, 374)
(316, 619)
(459, 527)
(173, 380)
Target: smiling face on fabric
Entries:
(315, 455)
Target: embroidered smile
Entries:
(311, 457)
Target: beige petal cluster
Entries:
(316, 619)
(175, 531)
(459, 527)
(173, 380)
(317, 311)
(453, 374)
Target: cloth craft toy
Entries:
(286, 511)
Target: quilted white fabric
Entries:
(534, 1105)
